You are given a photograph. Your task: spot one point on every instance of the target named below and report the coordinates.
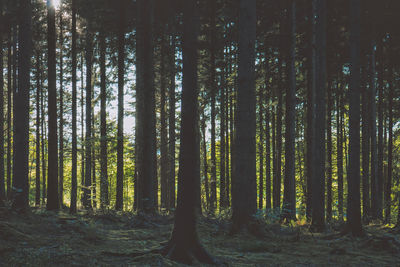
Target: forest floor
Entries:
(42, 238)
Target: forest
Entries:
(205, 132)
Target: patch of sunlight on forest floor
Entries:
(43, 238)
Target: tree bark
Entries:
(52, 175)
(388, 191)
(61, 118)
(38, 91)
(365, 147)
(20, 183)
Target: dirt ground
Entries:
(43, 238)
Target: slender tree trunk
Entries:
(104, 201)
(222, 175)
(88, 140)
(261, 150)
(388, 191)
(213, 86)
(20, 183)
(374, 150)
(318, 172)
(289, 198)
(268, 151)
(244, 190)
(171, 120)
(146, 133)
(38, 90)
(9, 108)
(353, 197)
(52, 188)
(365, 147)
(379, 185)
(329, 154)
(205, 165)
(277, 183)
(339, 149)
(74, 174)
(43, 138)
(163, 115)
(119, 205)
(83, 144)
(2, 185)
(61, 117)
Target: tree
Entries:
(365, 147)
(52, 176)
(74, 170)
(21, 140)
(184, 245)
(353, 197)
(38, 91)
(289, 198)
(61, 118)
(244, 199)
(2, 185)
(388, 191)
(145, 113)
(120, 133)
(319, 79)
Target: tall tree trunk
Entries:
(365, 147)
(339, 149)
(88, 138)
(222, 175)
(9, 108)
(38, 90)
(163, 115)
(289, 198)
(319, 80)
(119, 205)
(388, 191)
(104, 201)
(205, 164)
(213, 85)
(261, 150)
(2, 185)
(353, 177)
(52, 175)
(83, 144)
(147, 161)
(277, 183)
(329, 153)
(374, 159)
(74, 169)
(244, 198)
(61, 117)
(184, 245)
(268, 150)
(379, 185)
(171, 120)
(43, 138)
(20, 183)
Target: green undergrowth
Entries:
(42, 238)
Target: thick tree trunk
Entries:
(20, 183)
(9, 108)
(379, 178)
(146, 130)
(83, 144)
(339, 149)
(163, 131)
(244, 191)
(289, 198)
(319, 80)
(119, 205)
(52, 176)
(329, 153)
(388, 191)
(353, 197)
(104, 200)
(2, 185)
(74, 171)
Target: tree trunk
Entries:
(52, 175)
(268, 150)
(88, 138)
(213, 85)
(244, 198)
(2, 185)
(74, 174)
(222, 175)
(38, 91)
(104, 200)
(388, 191)
(83, 144)
(329, 153)
(61, 117)
(171, 120)
(163, 130)
(353, 197)
(319, 80)
(119, 205)
(20, 183)
(379, 183)
(261, 150)
(289, 198)
(146, 130)
(365, 147)
(339, 149)
(9, 108)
